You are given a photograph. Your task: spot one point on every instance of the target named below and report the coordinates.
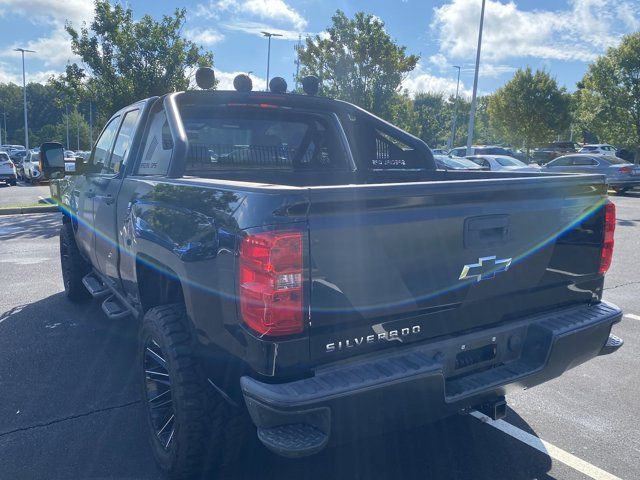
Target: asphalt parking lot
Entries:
(22, 194)
(69, 401)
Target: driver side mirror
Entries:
(52, 160)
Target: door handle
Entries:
(108, 199)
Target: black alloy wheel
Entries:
(159, 399)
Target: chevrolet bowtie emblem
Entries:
(485, 269)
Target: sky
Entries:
(561, 36)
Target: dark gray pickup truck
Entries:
(300, 268)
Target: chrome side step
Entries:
(113, 309)
(115, 306)
(95, 286)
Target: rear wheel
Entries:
(191, 427)
(74, 266)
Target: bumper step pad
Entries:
(613, 344)
(293, 440)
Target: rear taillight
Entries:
(627, 170)
(606, 253)
(271, 274)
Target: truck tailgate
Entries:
(398, 263)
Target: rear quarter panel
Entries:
(192, 227)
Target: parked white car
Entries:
(8, 172)
(31, 167)
(502, 163)
(602, 148)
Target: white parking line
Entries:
(632, 316)
(545, 447)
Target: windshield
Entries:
(462, 163)
(510, 162)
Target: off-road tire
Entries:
(208, 432)
(74, 266)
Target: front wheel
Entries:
(74, 266)
(190, 425)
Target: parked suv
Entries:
(8, 172)
(599, 148)
(553, 150)
(31, 167)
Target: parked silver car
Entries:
(498, 163)
(445, 163)
(621, 175)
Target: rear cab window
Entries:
(250, 138)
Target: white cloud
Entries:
(439, 60)
(53, 51)
(8, 74)
(277, 11)
(581, 32)
(225, 80)
(256, 28)
(274, 10)
(204, 36)
(49, 11)
(420, 81)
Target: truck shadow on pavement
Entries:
(458, 448)
(70, 393)
(29, 226)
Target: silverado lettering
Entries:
(387, 336)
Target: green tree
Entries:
(42, 110)
(608, 97)
(529, 109)
(359, 62)
(432, 118)
(132, 59)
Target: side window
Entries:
(158, 147)
(102, 151)
(123, 143)
(584, 161)
(561, 162)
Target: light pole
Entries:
(472, 113)
(90, 126)
(269, 35)
(24, 97)
(6, 135)
(66, 115)
(455, 113)
(77, 129)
